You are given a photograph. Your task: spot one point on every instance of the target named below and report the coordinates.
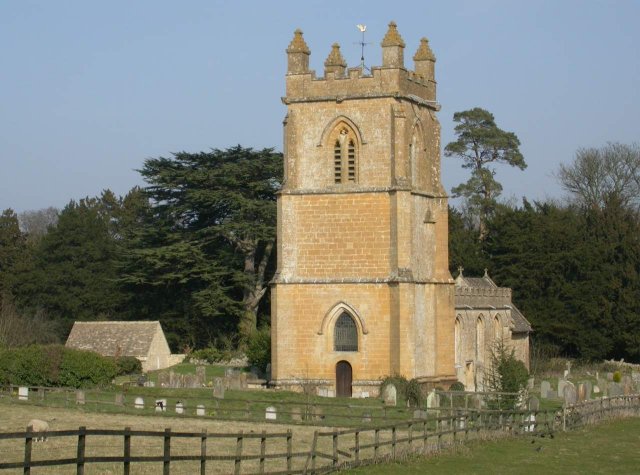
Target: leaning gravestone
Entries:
(218, 388)
(270, 413)
(23, 393)
(545, 387)
(389, 395)
(534, 403)
(570, 395)
(139, 403)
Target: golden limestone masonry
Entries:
(363, 288)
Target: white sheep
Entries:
(38, 426)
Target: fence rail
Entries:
(270, 453)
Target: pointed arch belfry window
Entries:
(345, 155)
(345, 334)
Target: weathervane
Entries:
(362, 44)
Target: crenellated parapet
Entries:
(483, 297)
(340, 83)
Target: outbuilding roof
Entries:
(114, 338)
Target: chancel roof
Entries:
(114, 338)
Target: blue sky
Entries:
(88, 90)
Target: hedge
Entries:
(55, 365)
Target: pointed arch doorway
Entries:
(344, 379)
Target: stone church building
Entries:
(362, 289)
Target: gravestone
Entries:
(562, 383)
(534, 403)
(433, 400)
(270, 413)
(596, 390)
(229, 372)
(267, 372)
(366, 417)
(179, 408)
(200, 410)
(161, 405)
(589, 388)
(23, 393)
(531, 423)
(635, 376)
(296, 414)
(149, 384)
(233, 382)
(615, 389)
(80, 397)
(552, 394)
(119, 399)
(389, 395)
(191, 381)
(609, 376)
(581, 392)
(201, 375)
(570, 395)
(243, 380)
(139, 403)
(218, 388)
(545, 387)
(531, 382)
(419, 414)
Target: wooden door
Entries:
(343, 379)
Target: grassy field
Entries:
(608, 448)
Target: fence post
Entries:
(127, 450)
(357, 447)
(376, 444)
(263, 449)
(82, 435)
(289, 449)
(439, 431)
(312, 455)
(410, 436)
(203, 452)
(424, 436)
(166, 464)
(335, 447)
(28, 442)
(238, 459)
(393, 443)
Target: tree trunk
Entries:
(253, 291)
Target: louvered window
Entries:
(345, 334)
(345, 158)
(337, 162)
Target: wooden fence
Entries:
(329, 450)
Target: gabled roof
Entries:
(520, 324)
(483, 282)
(114, 338)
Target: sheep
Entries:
(38, 426)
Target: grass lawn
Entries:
(607, 448)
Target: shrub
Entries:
(83, 369)
(617, 377)
(259, 348)
(210, 355)
(505, 374)
(407, 391)
(457, 386)
(128, 365)
(54, 365)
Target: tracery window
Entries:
(345, 334)
(345, 157)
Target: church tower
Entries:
(362, 289)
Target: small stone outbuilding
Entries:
(143, 340)
(485, 314)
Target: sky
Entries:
(89, 90)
